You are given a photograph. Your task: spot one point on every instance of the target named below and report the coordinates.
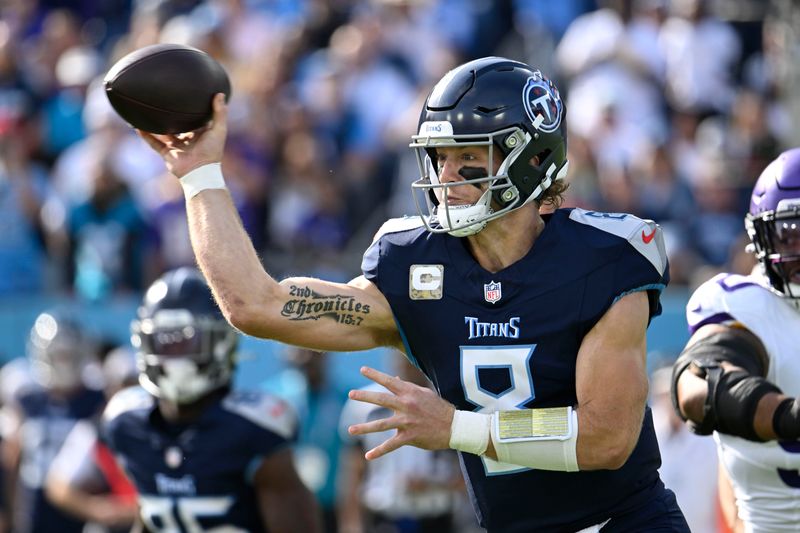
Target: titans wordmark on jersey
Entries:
(765, 475)
(509, 339)
(197, 477)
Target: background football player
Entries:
(41, 415)
(84, 479)
(739, 375)
(201, 455)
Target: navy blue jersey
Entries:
(197, 476)
(46, 420)
(510, 339)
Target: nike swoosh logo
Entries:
(647, 238)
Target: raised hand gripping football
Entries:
(184, 152)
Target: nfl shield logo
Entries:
(173, 456)
(492, 292)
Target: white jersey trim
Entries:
(396, 225)
(264, 410)
(130, 399)
(644, 235)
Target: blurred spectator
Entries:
(57, 30)
(107, 238)
(717, 223)
(38, 420)
(108, 136)
(24, 189)
(409, 490)
(318, 401)
(742, 137)
(688, 461)
(541, 24)
(62, 113)
(167, 216)
(702, 54)
(615, 69)
(18, 99)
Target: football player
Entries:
(40, 417)
(739, 375)
(202, 456)
(531, 326)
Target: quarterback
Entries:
(531, 326)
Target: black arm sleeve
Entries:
(732, 396)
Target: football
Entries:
(166, 88)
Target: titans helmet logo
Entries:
(542, 103)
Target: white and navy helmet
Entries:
(185, 347)
(58, 351)
(497, 104)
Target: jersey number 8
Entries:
(516, 360)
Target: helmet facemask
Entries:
(500, 194)
(182, 357)
(775, 238)
(772, 225)
(495, 104)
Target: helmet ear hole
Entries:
(537, 160)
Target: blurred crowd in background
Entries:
(674, 108)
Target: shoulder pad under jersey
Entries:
(264, 410)
(645, 236)
(396, 225)
(129, 399)
(726, 299)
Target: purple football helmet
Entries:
(773, 224)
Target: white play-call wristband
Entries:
(545, 439)
(470, 432)
(205, 177)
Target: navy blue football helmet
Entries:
(498, 104)
(773, 224)
(185, 347)
(58, 351)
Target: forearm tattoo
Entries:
(310, 305)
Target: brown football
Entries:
(166, 88)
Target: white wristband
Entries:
(470, 432)
(545, 439)
(205, 177)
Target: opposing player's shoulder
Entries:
(644, 236)
(126, 401)
(395, 226)
(725, 299)
(264, 410)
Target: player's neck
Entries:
(503, 241)
(175, 413)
